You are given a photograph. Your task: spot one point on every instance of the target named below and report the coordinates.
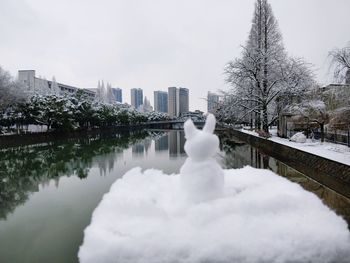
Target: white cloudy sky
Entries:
(153, 44)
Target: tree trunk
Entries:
(265, 119)
(322, 131)
(251, 121)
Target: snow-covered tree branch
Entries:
(340, 63)
(264, 73)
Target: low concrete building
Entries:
(42, 86)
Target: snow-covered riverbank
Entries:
(331, 151)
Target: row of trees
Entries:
(72, 112)
(264, 77)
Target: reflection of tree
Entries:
(237, 154)
(23, 168)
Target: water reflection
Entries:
(176, 141)
(23, 168)
(161, 144)
(138, 150)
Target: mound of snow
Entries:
(298, 137)
(207, 214)
(261, 217)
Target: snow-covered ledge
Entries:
(335, 152)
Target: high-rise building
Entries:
(161, 101)
(178, 101)
(118, 94)
(183, 100)
(213, 101)
(136, 98)
(173, 101)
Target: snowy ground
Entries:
(261, 217)
(332, 151)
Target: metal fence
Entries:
(335, 137)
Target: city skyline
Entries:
(173, 52)
(42, 85)
(178, 101)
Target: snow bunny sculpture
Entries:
(202, 178)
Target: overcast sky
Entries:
(154, 44)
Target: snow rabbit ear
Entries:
(209, 126)
(190, 129)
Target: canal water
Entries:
(48, 191)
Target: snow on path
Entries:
(331, 151)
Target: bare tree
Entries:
(340, 63)
(257, 75)
(298, 79)
(264, 72)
